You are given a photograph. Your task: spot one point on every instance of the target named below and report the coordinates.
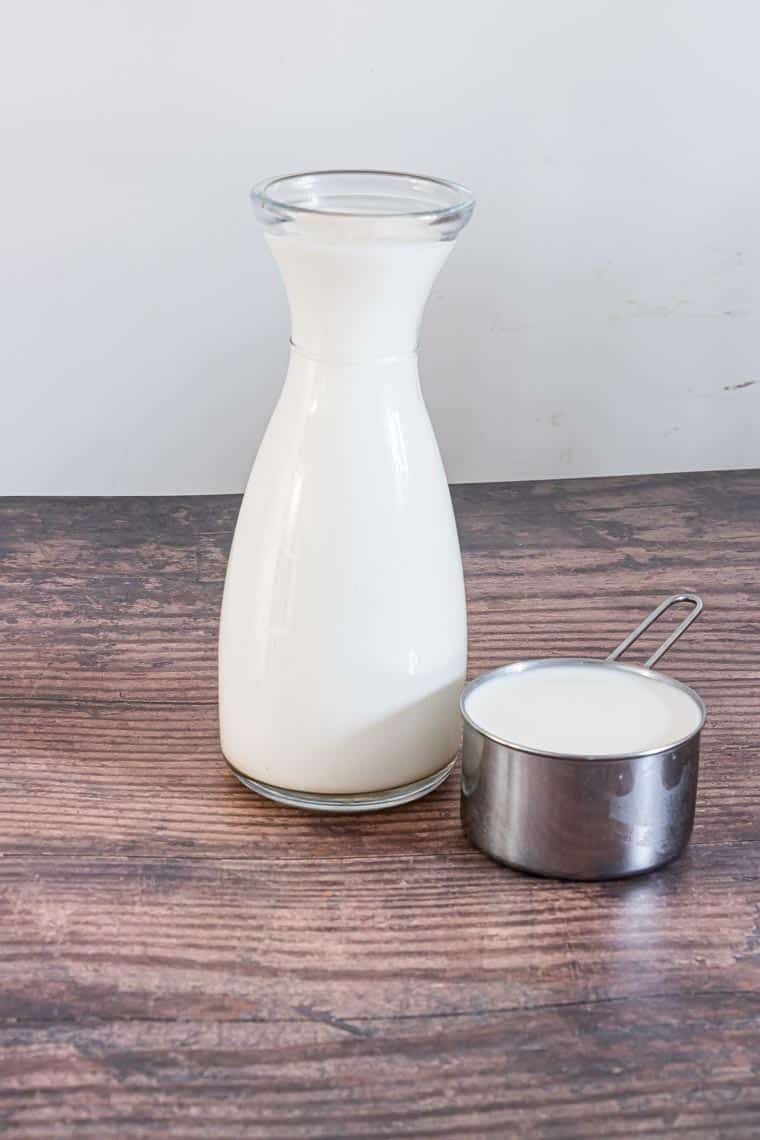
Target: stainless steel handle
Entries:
(696, 602)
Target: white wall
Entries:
(598, 316)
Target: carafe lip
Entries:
(320, 191)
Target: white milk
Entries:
(580, 710)
(343, 630)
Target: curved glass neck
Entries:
(337, 206)
(356, 301)
(359, 252)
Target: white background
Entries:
(598, 316)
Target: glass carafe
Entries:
(343, 632)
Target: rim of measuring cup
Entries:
(299, 194)
(544, 662)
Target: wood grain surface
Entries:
(180, 958)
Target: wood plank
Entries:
(658, 1067)
(363, 937)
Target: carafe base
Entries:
(366, 801)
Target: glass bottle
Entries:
(343, 635)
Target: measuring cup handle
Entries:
(696, 602)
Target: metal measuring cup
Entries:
(573, 816)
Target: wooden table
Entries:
(180, 958)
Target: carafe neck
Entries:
(359, 300)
